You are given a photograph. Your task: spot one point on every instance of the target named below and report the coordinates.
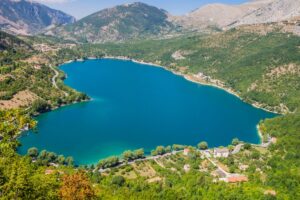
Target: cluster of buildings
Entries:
(208, 79)
(222, 152)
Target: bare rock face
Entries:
(217, 15)
(275, 11)
(27, 17)
(222, 16)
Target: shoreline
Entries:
(189, 77)
(259, 134)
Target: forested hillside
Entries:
(261, 67)
(26, 78)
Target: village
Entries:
(233, 164)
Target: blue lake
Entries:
(139, 106)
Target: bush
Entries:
(118, 180)
(235, 141)
(33, 152)
(247, 146)
(202, 145)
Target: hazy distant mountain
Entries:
(218, 15)
(277, 10)
(119, 23)
(27, 17)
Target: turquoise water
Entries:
(139, 106)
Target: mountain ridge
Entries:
(226, 16)
(278, 10)
(28, 17)
(122, 22)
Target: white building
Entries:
(221, 152)
(187, 167)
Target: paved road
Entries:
(237, 148)
(54, 77)
(122, 163)
(54, 80)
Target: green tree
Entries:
(230, 147)
(40, 106)
(139, 153)
(33, 152)
(2, 177)
(43, 154)
(177, 147)
(154, 153)
(160, 150)
(128, 155)
(52, 156)
(168, 149)
(247, 146)
(235, 141)
(69, 161)
(108, 162)
(118, 180)
(202, 145)
(61, 159)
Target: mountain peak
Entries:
(122, 22)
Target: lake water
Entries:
(139, 106)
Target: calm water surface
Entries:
(139, 106)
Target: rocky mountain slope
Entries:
(217, 15)
(128, 21)
(27, 17)
(274, 11)
(222, 16)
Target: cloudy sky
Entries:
(81, 8)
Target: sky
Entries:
(82, 8)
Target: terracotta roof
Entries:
(186, 150)
(236, 179)
(270, 192)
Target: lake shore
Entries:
(189, 77)
(259, 133)
(195, 79)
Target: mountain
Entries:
(275, 11)
(223, 16)
(217, 15)
(10, 42)
(128, 21)
(27, 17)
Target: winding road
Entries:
(54, 80)
(54, 77)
